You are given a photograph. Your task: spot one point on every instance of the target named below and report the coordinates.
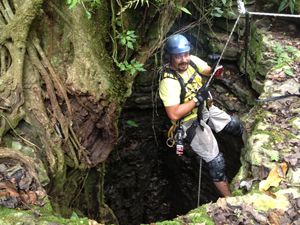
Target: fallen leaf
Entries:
(221, 202)
(209, 209)
(13, 180)
(273, 178)
(274, 218)
(24, 197)
(254, 213)
(32, 197)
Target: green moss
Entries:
(11, 216)
(199, 215)
(274, 189)
(237, 193)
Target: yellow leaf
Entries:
(273, 178)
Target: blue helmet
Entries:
(177, 44)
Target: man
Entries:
(186, 105)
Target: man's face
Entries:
(180, 62)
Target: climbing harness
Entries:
(176, 132)
(243, 10)
(177, 128)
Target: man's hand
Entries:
(202, 94)
(212, 59)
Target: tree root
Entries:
(79, 147)
(72, 153)
(58, 83)
(62, 15)
(55, 107)
(8, 9)
(4, 12)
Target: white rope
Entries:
(199, 185)
(237, 20)
(242, 10)
(274, 14)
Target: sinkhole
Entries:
(145, 180)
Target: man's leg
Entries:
(234, 127)
(217, 173)
(223, 187)
(206, 146)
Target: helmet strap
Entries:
(170, 60)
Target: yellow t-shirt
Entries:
(170, 89)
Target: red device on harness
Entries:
(219, 71)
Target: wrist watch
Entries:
(197, 103)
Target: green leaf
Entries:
(73, 4)
(216, 14)
(292, 6)
(232, 13)
(128, 38)
(98, 1)
(138, 65)
(74, 215)
(132, 71)
(132, 61)
(89, 16)
(122, 66)
(69, 2)
(141, 69)
(224, 2)
(289, 72)
(129, 32)
(284, 56)
(93, 5)
(123, 41)
(218, 10)
(185, 10)
(131, 123)
(129, 45)
(274, 157)
(282, 5)
(119, 23)
(133, 36)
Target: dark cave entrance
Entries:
(146, 181)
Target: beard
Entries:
(185, 67)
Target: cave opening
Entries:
(145, 180)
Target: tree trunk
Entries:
(61, 92)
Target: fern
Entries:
(130, 3)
